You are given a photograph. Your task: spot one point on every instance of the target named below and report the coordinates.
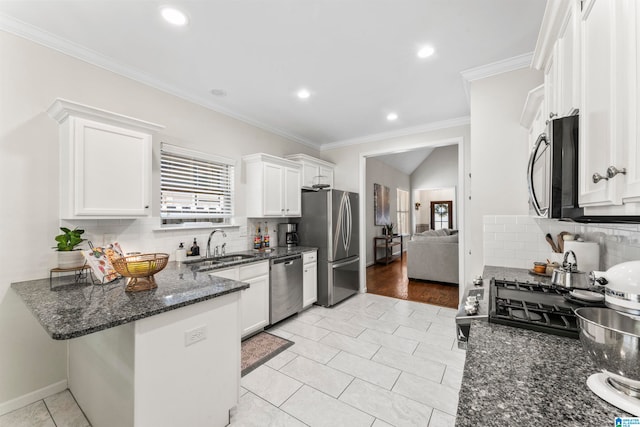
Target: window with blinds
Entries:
(195, 185)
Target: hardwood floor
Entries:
(391, 280)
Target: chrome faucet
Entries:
(208, 253)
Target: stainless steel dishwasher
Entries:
(285, 287)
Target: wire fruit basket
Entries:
(139, 270)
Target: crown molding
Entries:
(44, 38)
(555, 15)
(495, 68)
(61, 109)
(444, 124)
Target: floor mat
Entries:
(260, 348)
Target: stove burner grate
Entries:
(532, 306)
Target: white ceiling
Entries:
(357, 57)
(407, 161)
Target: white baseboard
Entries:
(34, 396)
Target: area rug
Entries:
(260, 348)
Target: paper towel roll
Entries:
(587, 254)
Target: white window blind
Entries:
(195, 184)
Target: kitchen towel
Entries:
(587, 254)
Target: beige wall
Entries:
(498, 152)
(383, 174)
(31, 78)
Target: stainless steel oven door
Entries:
(539, 177)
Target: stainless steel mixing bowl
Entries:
(612, 339)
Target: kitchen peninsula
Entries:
(165, 357)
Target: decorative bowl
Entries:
(139, 270)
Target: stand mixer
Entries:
(611, 336)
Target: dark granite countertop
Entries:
(70, 311)
(517, 377)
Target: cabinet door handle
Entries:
(146, 207)
(597, 178)
(613, 171)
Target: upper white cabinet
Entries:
(105, 162)
(557, 54)
(314, 171)
(609, 137)
(273, 186)
(590, 53)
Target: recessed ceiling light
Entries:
(174, 16)
(303, 94)
(392, 117)
(426, 51)
(219, 92)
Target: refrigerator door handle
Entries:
(349, 223)
(342, 264)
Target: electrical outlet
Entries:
(194, 335)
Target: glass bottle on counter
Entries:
(257, 239)
(266, 235)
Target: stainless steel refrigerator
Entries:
(330, 223)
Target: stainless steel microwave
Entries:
(552, 175)
(552, 172)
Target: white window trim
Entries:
(227, 216)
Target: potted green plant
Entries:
(389, 228)
(68, 255)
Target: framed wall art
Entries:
(381, 205)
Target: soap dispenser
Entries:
(195, 249)
(181, 253)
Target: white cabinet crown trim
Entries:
(263, 157)
(305, 157)
(554, 17)
(61, 109)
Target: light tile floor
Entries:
(370, 361)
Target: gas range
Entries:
(532, 305)
(521, 301)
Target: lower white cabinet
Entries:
(309, 278)
(254, 301)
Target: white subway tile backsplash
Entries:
(488, 219)
(497, 228)
(506, 236)
(506, 219)
(519, 240)
(515, 228)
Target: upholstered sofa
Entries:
(433, 256)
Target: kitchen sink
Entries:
(233, 258)
(204, 264)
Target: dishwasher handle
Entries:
(286, 260)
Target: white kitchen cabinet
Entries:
(273, 186)
(254, 301)
(590, 53)
(609, 135)
(309, 278)
(105, 162)
(314, 171)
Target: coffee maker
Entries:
(288, 235)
